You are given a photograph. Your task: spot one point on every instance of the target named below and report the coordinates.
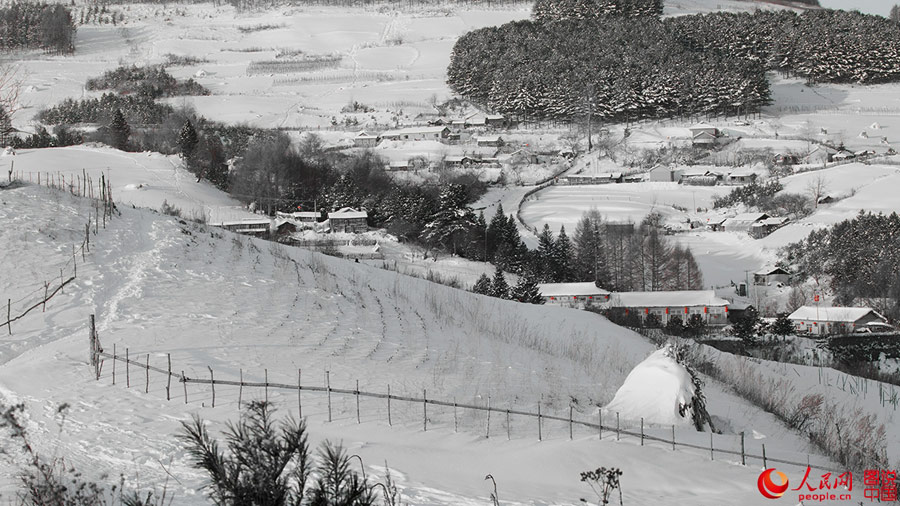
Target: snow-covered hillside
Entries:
(243, 306)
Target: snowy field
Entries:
(242, 306)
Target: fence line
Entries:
(83, 188)
(597, 426)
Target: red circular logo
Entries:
(769, 488)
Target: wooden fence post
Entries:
(389, 405)
(184, 382)
(328, 388)
(266, 376)
(540, 436)
(46, 289)
(240, 387)
(673, 437)
(357, 402)
(711, 446)
(212, 381)
(764, 456)
(600, 422)
(455, 417)
(743, 456)
(508, 430)
(114, 364)
(299, 388)
(617, 425)
(8, 316)
(642, 431)
(127, 370)
(169, 377)
(487, 431)
(570, 422)
(425, 410)
(147, 383)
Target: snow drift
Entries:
(659, 390)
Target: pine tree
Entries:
(562, 257)
(543, 258)
(477, 247)
(782, 326)
(590, 262)
(499, 286)
(483, 285)
(526, 290)
(119, 130)
(453, 220)
(187, 141)
(495, 232)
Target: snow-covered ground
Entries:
(243, 306)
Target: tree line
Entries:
(27, 25)
(572, 59)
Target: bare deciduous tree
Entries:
(817, 188)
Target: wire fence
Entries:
(490, 420)
(104, 208)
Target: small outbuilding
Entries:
(348, 220)
(771, 275)
(573, 294)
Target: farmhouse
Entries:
(259, 227)
(348, 220)
(742, 222)
(459, 161)
(398, 165)
(715, 224)
(665, 305)
(605, 178)
(573, 294)
(771, 275)
(704, 135)
(766, 226)
(433, 133)
(832, 320)
(365, 140)
(489, 140)
(665, 174)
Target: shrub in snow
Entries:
(269, 465)
(603, 481)
(663, 389)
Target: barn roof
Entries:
(832, 314)
(568, 289)
(347, 213)
(667, 299)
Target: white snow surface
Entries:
(655, 390)
(248, 307)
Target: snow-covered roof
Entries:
(489, 138)
(678, 298)
(832, 314)
(298, 214)
(493, 116)
(765, 271)
(569, 289)
(260, 221)
(610, 175)
(701, 126)
(747, 218)
(780, 220)
(414, 130)
(457, 159)
(347, 213)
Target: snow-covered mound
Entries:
(659, 390)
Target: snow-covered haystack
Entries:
(660, 390)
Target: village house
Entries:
(398, 165)
(664, 174)
(766, 226)
(573, 294)
(431, 133)
(494, 141)
(667, 304)
(605, 178)
(459, 161)
(348, 220)
(739, 177)
(715, 224)
(300, 216)
(742, 222)
(704, 135)
(771, 275)
(255, 227)
(365, 140)
(698, 177)
(823, 321)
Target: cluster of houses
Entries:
(438, 129)
(714, 310)
(758, 225)
(344, 220)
